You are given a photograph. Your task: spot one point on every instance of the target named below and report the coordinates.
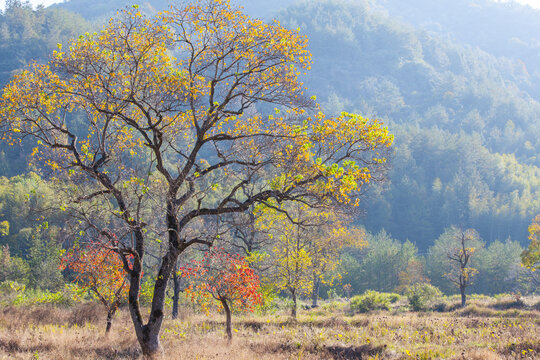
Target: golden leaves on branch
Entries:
(193, 74)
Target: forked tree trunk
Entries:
(148, 334)
(463, 297)
(228, 320)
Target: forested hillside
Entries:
(478, 23)
(466, 132)
(462, 98)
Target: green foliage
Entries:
(7, 287)
(13, 268)
(378, 267)
(372, 300)
(531, 256)
(25, 201)
(44, 260)
(422, 295)
(147, 291)
(499, 268)
(332, 294)
(14, 293)
(438, 265)
(67, 296)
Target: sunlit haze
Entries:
(533, 3)
(33, 2)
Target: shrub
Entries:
(68, 296)
(10, 291)
(333, 306)
(9, 287)
(332, 294)
(509, 304)
(421, 295)
(372, 300)
(393, 297)
(269, 303)
(440, 307)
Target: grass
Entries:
(479, 331)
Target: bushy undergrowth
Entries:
(422, 295)
(13, 293)
(373, 300)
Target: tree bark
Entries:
(463, 297)
(315, 293)
(176, 294)
(293, 309)
(110, 315)
(148, 334)
(228, 321)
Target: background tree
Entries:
(530, 258)
(438, 264)
(100, 271)
(290, 257)
(499, 269)
(377, 266)
(224, 280)
(328, 241)
(459, 255)
(154, 133)
(12, 268)
(44, 258)
(413, 274)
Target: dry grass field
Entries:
(480, 331)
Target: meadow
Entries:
(488, 328)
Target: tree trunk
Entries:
(463, 298)
(293, 310)
(228, 321)
(110, 315)
(315, 293)
(148, 334)
(176, 293)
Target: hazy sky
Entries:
(533, 3)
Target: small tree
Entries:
(412, 275)
(530, 258)
(224, 281)
(308, 244)
(461, 274)
(327, 245)
(102, 272)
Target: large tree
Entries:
(140, 123)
